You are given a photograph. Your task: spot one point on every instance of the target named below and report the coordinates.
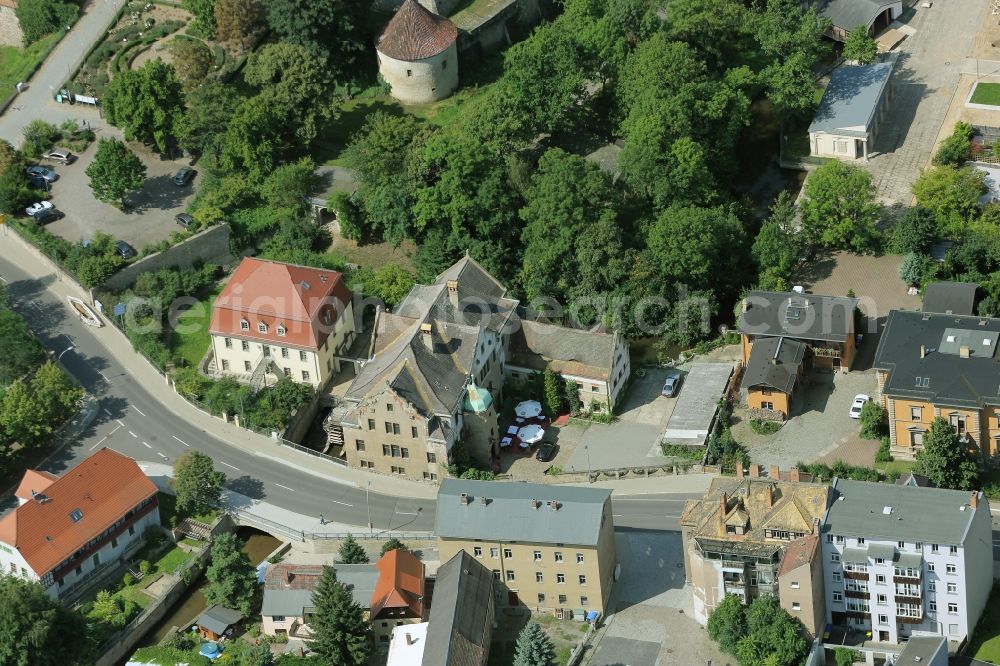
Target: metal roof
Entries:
(950, 297)
(503, 512)
(218, 618)
(851, 98)
(899, 513)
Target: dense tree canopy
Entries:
(146, 104)
(329, 29)
(36, 630)
(232, 578)
(197, 484)
(840, 209)
(115, 171)
(339, 630)
(945, 460)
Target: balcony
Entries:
(906, 619)
(736, 587)
(856, 594)
(734, 565)
(856, 575)
(906, 580)
(858, 615)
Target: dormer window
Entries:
(244, 325)
(76, 515)
(281, 330)
(326, 316)
(261, 327)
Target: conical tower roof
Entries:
(416, 33)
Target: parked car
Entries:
(60, 155)
(184, 220)
(858, 404)
(48, 215)
(546, 451)
(46, 174)
(38, 207)
(671, 385)
(125, 250)
(184, 176)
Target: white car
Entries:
(856, 406)
(36, 208)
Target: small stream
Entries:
(257, 545)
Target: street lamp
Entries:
(59, 358)
(590, 478)
(368, 490)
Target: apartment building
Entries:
(756, 536)
(274, 319)
(902, 561)
(930, 365)
(438, 367)
(67, 528)
(783, 336)
(550, 548)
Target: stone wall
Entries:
(10, 29)
(210, 246)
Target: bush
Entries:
(914, 269)
(38, 18)
(883, 455)
(681, 451)
(128, 579)
(39, 136)
(762, 427)
(874, 422)
(145, 566)
(956, 148)
(824, 472)
(846, 656)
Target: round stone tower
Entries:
(417, 55)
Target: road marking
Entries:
(114, 431)
(147, 445)
(133, 434)
(180, 440)
(406, 513)
(336, 502)
(228, 465)
(99, 443)
(307, 470)
(617, 515)
(161, 455)
(3, 278)
(137, 409)
(120, 422)
(107, 412)
(285, 487)
(104, 375)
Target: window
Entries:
(394, 451)
(879, 578)
(932, 606)
(838, 596)
(934, 548)
(388, 407)
(284, 352)
(796, 606)
(261, 327)
(795, 585)
(287, 372)
(496, 574)
(494, 553)
(829, 538)
(246, 365)
(302, 356)
(131, 530)
(78, 570)
(834, 557)
(562, 598)
(916, 438)
(579, 558)
(932, 586)
(510, 575)
(558, 556)
(541, 598)
(386, 450)
(405, 452)
(444, 64)
(507, 552)
(245, 345)
(839, 538)
(539, 578)
(432, 457)
(915, 413)
(305, 375)
(953, 608)
(767, 404)
(367, 464)
(396, 470)
(225, 364)
(371, 424)
(281, 330)
(930, 566)
(228, 343)
(582, 579)
(953, 550)
(880, 600)
(560, 578)
(430, 476)
(244, 325)
(413, 432)
(879, 560)
(278, 618)
(900, 544)
(952, 588)
(114, 543)
(97, 559)
(839, 145)
(359, 444)
(861, 541)
(265, 350)
(836, 576)
(409, 72)
(536, 556)
(950, 568)
(883, 619)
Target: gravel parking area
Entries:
(150, 218)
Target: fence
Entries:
(313, 452)
(242, 517)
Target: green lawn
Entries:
(16, 64)
(985, 643)
(190, 338)
(986, 93)
(171, 561)
(208, 517)
(899, 466)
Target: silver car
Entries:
(671, 385)
(60, 155)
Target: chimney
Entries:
(740, 473)
(974, 501)
(775, 473)
(770, 495)
(425, 333)
(453, 293)
(963, 351)
(815, 526)
(464, 499)
(923, 351)
(722, 510)
(409, 639)
(288, 576)
(534, 503)
(754, 471)
(793, 475)
(555, 505)
(744, 305)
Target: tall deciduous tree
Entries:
(197, 484)
(339, 630)
(36, 630)
(776, 247)
(944, 459)
(793, 37)
(146, 104)
(232, 578)
(952, 193)
(860, 47)
(256, 140)
(351, 552)
(115, 171)
(235, 20)
(38, 18)
(204, 15)
(192, 60)
(534, 647)
(329, 29)
(728, 623)
(840, 209)
(202, 128)
(552, 384)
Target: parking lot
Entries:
(150, 216)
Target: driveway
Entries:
(925, 80)
(150, 217)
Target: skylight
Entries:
(76, 515)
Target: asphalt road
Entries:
(132, 421)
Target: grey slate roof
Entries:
(801, 316)
(925, 650)
(849, 14)
(359, 578)
(780, 374)
(458, 628)
(950, 297)
(535, 345)
(946, 379)
(218, 618)
(507, 514)
(923, 515)
(850, 100)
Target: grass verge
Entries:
(189, 338)
(986, 93)
(17, 64)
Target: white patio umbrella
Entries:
(531, 434)
(528, 409)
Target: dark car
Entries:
(46, 174)
(125, 250)
(184, 220)
(546, 451)
(47, 215)
(184, 176)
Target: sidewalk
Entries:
(655, 485)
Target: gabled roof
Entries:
(800, 316)
(218, 618)
(950, 298)
(851, 98)
(305, 301)
(416, 33)
(849, 14)
(288, 588)
(400, 583)
(459, 619)
(504, 512)
(774, 362)
(34, 481)
(798, 553)
(917, 480)
(567, 350)
(102, 488)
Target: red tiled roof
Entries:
(415, 33)
(104, 487)
(799, 552)
(34, 481)
(292, 577)
(400, 583)
(306, 301)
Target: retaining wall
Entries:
(210, 246)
